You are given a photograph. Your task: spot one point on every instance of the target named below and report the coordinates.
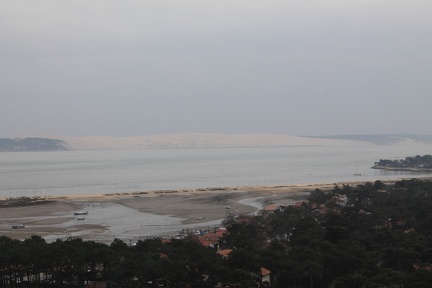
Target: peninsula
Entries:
(415, 164)
(32, 144)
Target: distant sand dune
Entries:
(195, 140)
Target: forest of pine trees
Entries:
(381, 236)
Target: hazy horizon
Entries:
(136, 68)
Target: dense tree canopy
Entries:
(422, 162)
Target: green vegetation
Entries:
(417, 163)
(23, 201)
(32, 144)
(369, 235)
(383, 139)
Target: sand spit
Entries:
(26, 201)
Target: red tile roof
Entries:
(211, 238)
(265, 272)
(224, 252)
(271, 207)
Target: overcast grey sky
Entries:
(125, 68)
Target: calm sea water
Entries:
(109, 171)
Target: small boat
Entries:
(227, 207)
(18, 226)
(81, 213)
(357, 173)
(80, 218)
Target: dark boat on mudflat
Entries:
(81, 213)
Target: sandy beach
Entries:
(132, 216)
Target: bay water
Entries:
(86, 172)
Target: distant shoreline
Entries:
(407, 169)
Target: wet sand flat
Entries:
(134, 215)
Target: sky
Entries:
(139, 67)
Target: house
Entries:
(272, 208)
(301, 203)
(423, 266)
(97, 284)
(163, 256)
(265, 276)
(225, 252)
(409, 231)
(320, 211)
(211, 239)
(340, 199)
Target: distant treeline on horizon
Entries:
(32, 144)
